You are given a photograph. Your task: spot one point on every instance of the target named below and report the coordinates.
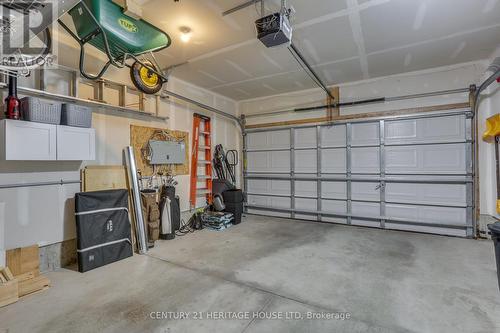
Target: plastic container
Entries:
(76, 115)
(495, 237)
(236, 209)
(40, 111)
(233, 196)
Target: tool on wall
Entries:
(492, 135)
(225, 163)
(205, 163)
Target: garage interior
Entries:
(250, 166)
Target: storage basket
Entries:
(76, 115)
(40, 111)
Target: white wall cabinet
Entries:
(75, 144)
(30, 141)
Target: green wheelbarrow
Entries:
(124, 40)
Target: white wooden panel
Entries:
(305, 138)
(366, 209)
(438, 194)
(365, 191)
(306, 189)
(333, 161)
(365, 160)
(334, 190)
(269, 140)
(306, 161)
(75, 144)
(262, 186)
(28, 141)
(438, 159)
(446, 215)
(276, 161)
(333, 136)
(426, 130)
(365, 134)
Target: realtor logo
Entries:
(25, 40)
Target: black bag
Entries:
(175, 213)
(103, 228)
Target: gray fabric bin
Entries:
(76, 115)
(40, 111)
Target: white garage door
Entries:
(407, 173)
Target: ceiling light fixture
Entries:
(185, 34)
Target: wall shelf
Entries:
(83, 102)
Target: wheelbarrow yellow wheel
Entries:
(145, 79)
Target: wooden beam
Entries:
(400, 112)
(333, 112)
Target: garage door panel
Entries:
(436, 159)
(437, 194)
(333, 136)
(306, 189)
(333, 161)
(306, 161)
(334, 206)
(271, 202)
(365, 134)
(275, 187)
(365, 160)
(269, 140)
(257, 140)
(276, 161)
(365, 191)
(426, 130)
(424, 229)
(334, 190)
(305, 138)
(257, 185)
(337, 220)
(371, 209)
(447, 215)
(306, 204)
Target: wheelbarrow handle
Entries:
(82, 66)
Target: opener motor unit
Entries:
(274, 30)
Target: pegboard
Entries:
(139, 138)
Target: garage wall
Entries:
(44, 215)
(444, 78)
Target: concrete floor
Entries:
(387, 281)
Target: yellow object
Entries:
(498, 206)
(492, 128)
(149, 78)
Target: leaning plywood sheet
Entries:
(139, 139)
(104, 177)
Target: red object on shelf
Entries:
(12, 102)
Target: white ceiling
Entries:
(344, 40)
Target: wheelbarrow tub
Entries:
(124, 33)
